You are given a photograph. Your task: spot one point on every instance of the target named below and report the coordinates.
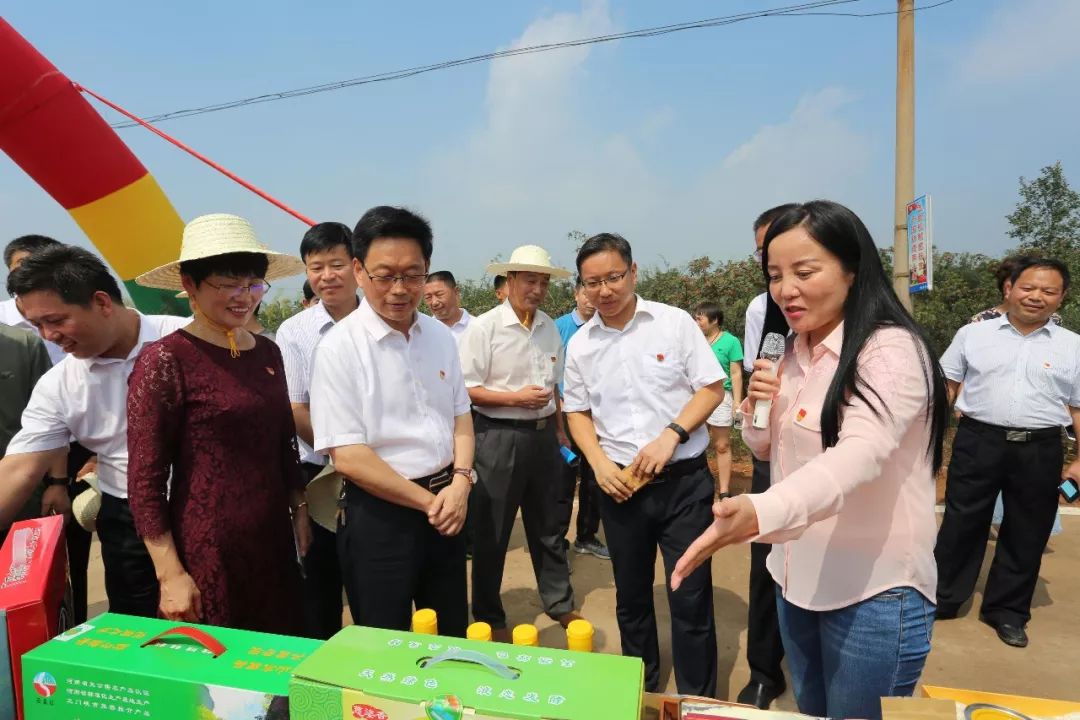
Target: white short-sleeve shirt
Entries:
(462, 324)
(400, 397)
(499, 353)
(298, 337)
(637, 380)
(86, 399)
(752, 329)
(1014, 380)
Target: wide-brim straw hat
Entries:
(529, 258)
(85, 506)
(219, 234)
(322, 495)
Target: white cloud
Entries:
(538, 166)
(1024, 39)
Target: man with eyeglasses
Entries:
(640, 382)
(389, 405)
(511, 357)
(444, 300)
(326, 250)
(68, 294)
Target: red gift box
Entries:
(35, 603)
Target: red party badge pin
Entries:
(1046, 365)
(442, 374)
(801, 414)
(554, 359)
(659, 357)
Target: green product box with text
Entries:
(118, 666)
(369, 674)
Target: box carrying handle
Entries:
(199, 636)
(472, 657)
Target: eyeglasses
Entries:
(257, 289)
(386, 282)
(608, 281)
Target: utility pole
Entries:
(905, 143)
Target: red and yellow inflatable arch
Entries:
(52, 133)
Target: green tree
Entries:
(1047, 218)
(1047, 222)
(278, 310)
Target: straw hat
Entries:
(219, 234)
(529, 258)
(86, 504)
(322, 495)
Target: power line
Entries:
(801, 9)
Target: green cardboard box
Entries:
(368, 674)
(117, 666)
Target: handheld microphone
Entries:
(772, 349)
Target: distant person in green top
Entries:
(728, 351)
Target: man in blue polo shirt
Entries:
(588, 518)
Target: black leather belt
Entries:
(1016, 435)
(436, 481)
(539, 424)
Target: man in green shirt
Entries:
(24, 359)
(729, 354)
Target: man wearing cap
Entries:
(327, 253)
(389, 405)
(511, 357)
(68, 294)
(640, 382)
(444, 300)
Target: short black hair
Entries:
(386, 221)
(711, 311)
(443, 276)
(602, 243)
(326, 236)
(769, 216)
(1031, 261)
(236, 265)
(27, 243)
(500, 280)
(309, 293)
(71, 272)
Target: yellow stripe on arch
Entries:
(135, 228)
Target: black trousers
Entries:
(392, 559)
(322, 578)
(669, 515)
(1027, 475)
(78, 540)
(764, 648)
(130, 581)
(518, 468)
(588, 512)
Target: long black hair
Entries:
(871, 304)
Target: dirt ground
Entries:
(965, 652)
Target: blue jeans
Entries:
(844, 661)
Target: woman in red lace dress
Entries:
(208, 405)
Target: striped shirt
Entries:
(298, 337)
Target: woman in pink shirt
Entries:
(855, 437)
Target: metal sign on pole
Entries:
(920, 245)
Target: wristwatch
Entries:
(680, 431)
(467, 472)
(49, 482)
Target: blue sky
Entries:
(676, 141)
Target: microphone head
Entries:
(773, 346)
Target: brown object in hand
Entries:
(633, 481)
